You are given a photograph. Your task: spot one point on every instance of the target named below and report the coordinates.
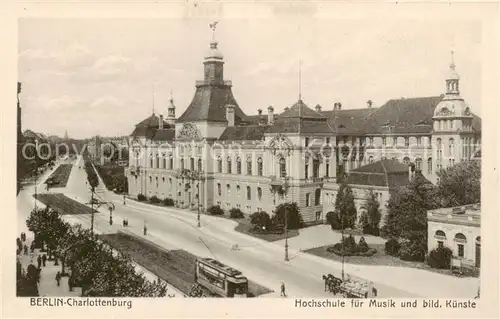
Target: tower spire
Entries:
(300, 79)
(153, 97)
(213, 26)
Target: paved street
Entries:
(259, 260)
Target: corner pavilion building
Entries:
(238, 158)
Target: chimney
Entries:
(160, 124)
(230, 114)
(260, 111)
(318, 108)
(270, 114)
(369, 102)
(339, 106)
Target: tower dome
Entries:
(213, 52)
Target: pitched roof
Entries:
(164, 135)
(209, 104)
(387, 173)
(244, 133)
(352, 121)
(300, 109)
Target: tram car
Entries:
(220, 280)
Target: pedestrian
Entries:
(32, 247)
(58, 278)
(23, 237)
(44, 259)
(145, 230)
(70, 283)
(110, 220)
(26, 249)
(39, 261)
(283, 293)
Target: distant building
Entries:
(458, 228)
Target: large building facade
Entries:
(241, 160)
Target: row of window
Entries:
(460, 240)
(238, 191)
(330, 198)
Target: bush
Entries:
(215, 210)
(440, 258)
(349, 244)
(236, 213)
(334, 220)
(337, 250)
(362, 245)
(392, 247)
(411, 250)
(168, 202)
(154, 200)
(141, 197)
(291, 210)
(261, 219)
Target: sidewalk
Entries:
(47, 285)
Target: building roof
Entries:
(405, 115)
(385, 173)
(209, 104)
(244, 133)
(300, 110)
(29, 134)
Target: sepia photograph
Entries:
(249, 158)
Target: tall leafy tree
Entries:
(345, 207)
(407, 217)
(460, 184)
(291, 210)
(370, 218)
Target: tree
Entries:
(460, 184)
(407, 217)
(261, 219)
(334, 220)
(344, 206)
(291, 210)
(370, 219)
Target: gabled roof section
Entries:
(383, 166)
(306, 126)
(301, 110)
(209, 104)
(352, 121)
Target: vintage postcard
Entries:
(207, 159)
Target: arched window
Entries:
(282, 163)
(249, 165)
(249, 193)
(370, 159)
(156, 181)
(182, 163)
(259, 193)
(238, 190)
(406, 161)
(170, 183)
(460, 238)
(219, 165)
(164, 157)
(191, 164)
(418, 164)
(429, 165)
(199, 165)
(451, 146)
(440, 234)
(317, 197)
(219, 189)
(157, 160)
(228, 165)
(260, 170)
(238, 165)
(151, 163)
(171, 164)
(228, 187)
(150, 179)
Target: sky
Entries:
(101, 77)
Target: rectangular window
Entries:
(407, 141)
(318, 216)
(460, 250)
(249, 167)
(307, 141)
(384, 141)
(191, 164)
(419, 141)
(306, 171)
(219, 166)
(327, 170)
(308, 199)
(260, 170)
(315, 168)
(394, 141)
(371, 141)
(327, 140)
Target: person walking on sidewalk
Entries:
(58, 278)
(145, 229)
(44, 259)
(39, 261)
(283, 292)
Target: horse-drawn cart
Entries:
(349, 288)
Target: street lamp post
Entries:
(343, 247)
(198, 217)
(282, 189)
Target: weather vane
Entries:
(213, 26)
